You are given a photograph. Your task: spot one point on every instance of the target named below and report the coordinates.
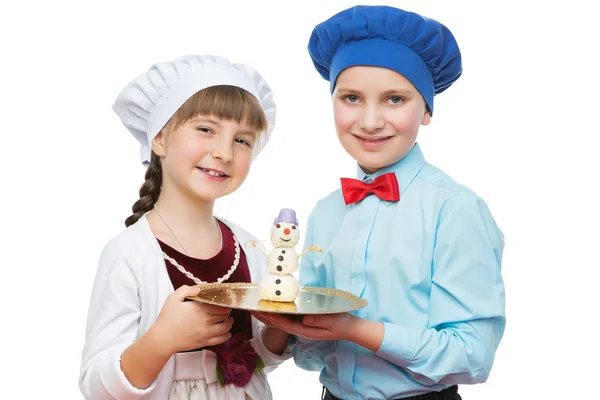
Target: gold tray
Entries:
(310, 300)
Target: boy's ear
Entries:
(426, 118)
(158, 144)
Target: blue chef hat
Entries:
(419, 48)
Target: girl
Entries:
(200, 120)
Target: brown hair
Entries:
(222, 102)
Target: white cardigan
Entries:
(130, 288)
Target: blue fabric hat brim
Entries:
(419, 48)
(375, 53)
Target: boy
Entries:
(423, 250)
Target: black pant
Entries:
(447, 394)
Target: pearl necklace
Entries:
(181, 269)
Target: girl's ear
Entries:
(159, 145)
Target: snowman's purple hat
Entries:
(286, 215)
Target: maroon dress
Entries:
(212, 269)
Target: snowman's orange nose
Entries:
(286, 231)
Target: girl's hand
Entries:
(188, 325)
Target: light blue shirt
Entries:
(429, 268)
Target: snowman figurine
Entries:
(279, 284)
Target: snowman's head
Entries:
(285, 234)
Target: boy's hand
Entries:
(261, 317)
(314, 327)
(365, 333)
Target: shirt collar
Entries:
(406, 168)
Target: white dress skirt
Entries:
(196, 379)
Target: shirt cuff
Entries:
(292, 340)
(269, 359)
(116, 384)
(399, 344)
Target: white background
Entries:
(520, 127)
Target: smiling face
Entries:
(207, 157)
(377, 113)
(285, 234)
(206, 148)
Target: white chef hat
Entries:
(148, 102)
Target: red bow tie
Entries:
(385, 187)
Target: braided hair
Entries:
(149, 191)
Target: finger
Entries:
(266, 322)
(277, 323)
(269, 321)
(222, 326)
(215, 340)
(309, 332)
(263, 320)
(287, 324)
(267, 316)
(297, 328)
(318, 321)
(260, 316)
(277, 318)
(185, 291)
(215, 310)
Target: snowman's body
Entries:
(281, 288)
(282, 260)
(279, 284)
